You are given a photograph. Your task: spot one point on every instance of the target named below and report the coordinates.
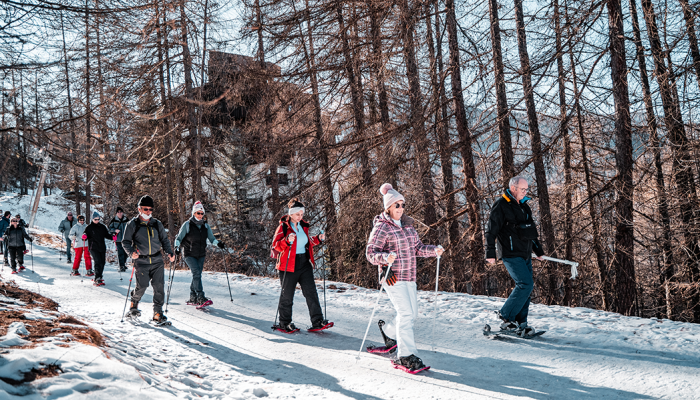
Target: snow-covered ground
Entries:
(230, 352)
(52, 209)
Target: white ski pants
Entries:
(404, 297)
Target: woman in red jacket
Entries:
(295, 261)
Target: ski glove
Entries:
(84, 236)
(391, 278)
(221, 245)
(177, 250)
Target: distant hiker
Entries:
(295, 262)
(96, 233)
(512, 228)
(394, 241)
(77, 234)
(116, 228)
(192, 239)
(64, 227)
(144, 238)
(4, 224)
(14, 236)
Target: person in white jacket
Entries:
(77, 235)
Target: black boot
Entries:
(134, 309)
(319, 324)
(411, 362)
(159, 317)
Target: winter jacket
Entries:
(15, 236)
(283, 248)
(96, 234)
(387, 237)
(4, 224)
(147, 238)
(120, 224)
(193, 238)
(506, 219)
(65, 226)
(76, 235)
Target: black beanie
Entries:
(7, 213)
(146, 201)
(120, 209)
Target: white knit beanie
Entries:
(391, 196)
(197, 207)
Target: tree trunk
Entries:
(536, 142)
(682, 153)
(375, 11)
(655, 145)
(692, 37)
(502, 112)
(191, 118)
(73, 143)
(88, 118)
(407, 28)
(564, 130)
(623, 262)
(475, 236)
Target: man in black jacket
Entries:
(144, 238)
(96, 234)
(4, 224)
(14, 237)
(512, 229)
(116, 227)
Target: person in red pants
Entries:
(77, 235)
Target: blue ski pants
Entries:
(516, 306)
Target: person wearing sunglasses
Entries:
(511, 234)
(192, 239)
(146, 240)
(14, 237)
(64, 227)
(77, 235)
(294, 250)
(96, 233)
(394, 241)
(116, 228)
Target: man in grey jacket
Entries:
(144, 238)
(64, 227)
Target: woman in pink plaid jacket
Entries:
(395, 241)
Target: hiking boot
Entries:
(288, 327)
(510, 326)
(14, 271)
(525, 330)
(21, 268)
(202, 300)
(90, 272)
(319, 324)
(159, 317)
(193, 300)
(75, 272)
(411, 362)
(69, 262)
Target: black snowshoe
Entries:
(410, 364)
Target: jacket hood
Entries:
(384, 218)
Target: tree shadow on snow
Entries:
(272, 369)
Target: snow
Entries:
(52, 209)
(230, 352)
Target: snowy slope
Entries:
(230, 352)
(52, 209)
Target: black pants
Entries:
(153, 273)
(98, 262)
(5, 253)
(121, 253)
(303, 275)
(16, 254)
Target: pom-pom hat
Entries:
(390, 195)
(197, 207)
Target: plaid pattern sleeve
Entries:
(376, 251)
(386, 238)
(422, 250)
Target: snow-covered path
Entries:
(231, 352)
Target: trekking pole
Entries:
(31, 244)
(376, 303)
(437, 278)
(574, 264)
(286, 267)
(325, 312)
(227, 281)
(133, 267)
(119, 267)
(81, 263)
(171, 275)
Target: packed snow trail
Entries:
(230, 351)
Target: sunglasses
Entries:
(147, 208)
(397, 205)
(14, 220)
(199, 213)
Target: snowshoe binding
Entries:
(524, 332)
(90, 272)
(159, 319)
(134, 311)
(192, 301)
(14, 271)
(21, 268)
(203, 302)
(389, 343)
(286, 328)
(410, 364)
(98, 282)
(75, 272)
(320, 325)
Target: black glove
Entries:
(391, 278)
(177, 250)
(31, 240)
(221, 245)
